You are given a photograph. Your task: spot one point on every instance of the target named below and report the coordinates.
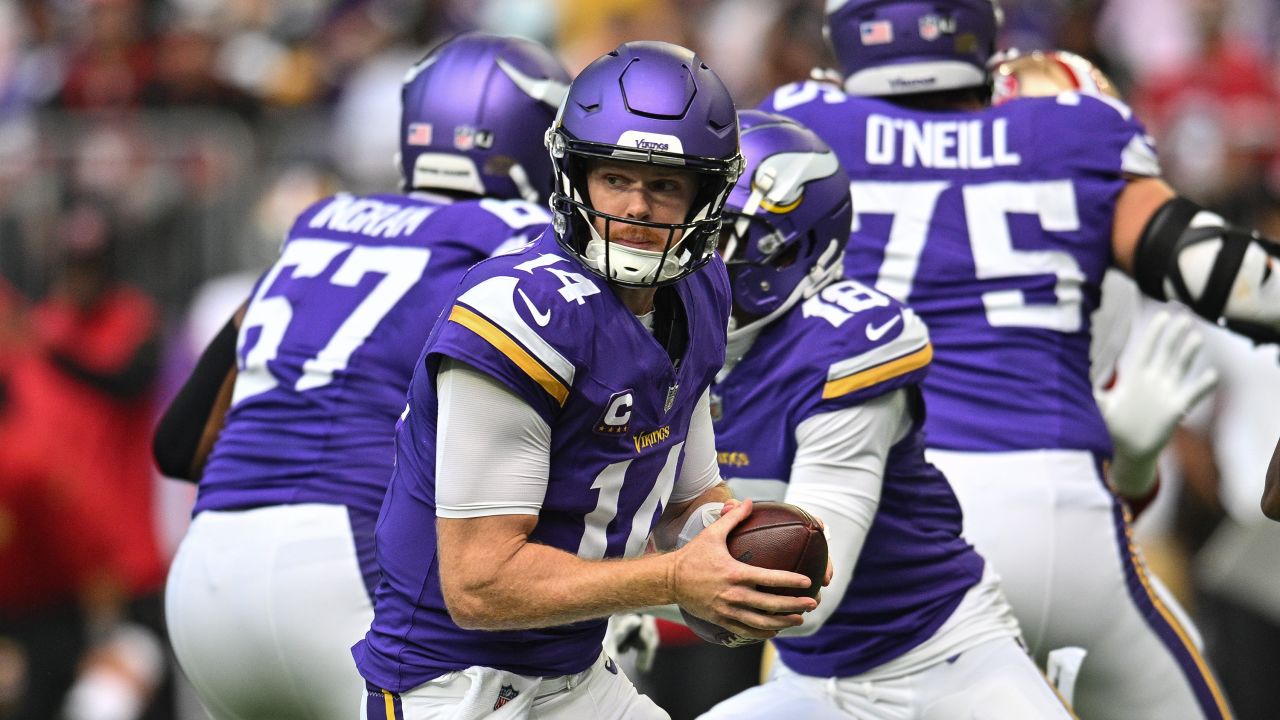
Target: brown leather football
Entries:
(778, 536)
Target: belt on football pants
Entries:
(561, 683)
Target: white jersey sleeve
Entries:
(501, 471)
(837, 477)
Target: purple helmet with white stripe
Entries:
(788, 217)
(649, 103)
(473, 114)
(900, 47)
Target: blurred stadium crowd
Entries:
(153, 152)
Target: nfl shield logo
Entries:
(934, 26)
(466, 137)
(505, 695)
(671, 398)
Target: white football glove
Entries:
(1156, 388)
(700, 519)
(632, 631)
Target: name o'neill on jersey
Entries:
(941, 144)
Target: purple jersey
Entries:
(914, 568)
(995, 226)
(328, 343)
(619, 411)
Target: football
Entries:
(778, 536)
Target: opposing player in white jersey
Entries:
(996, 225)
(273, 582)
(819, 404)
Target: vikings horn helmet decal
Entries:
(788, 217)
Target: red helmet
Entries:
(1037, 74)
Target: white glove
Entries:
(1150, 396)
(699, 520)
(632, 631)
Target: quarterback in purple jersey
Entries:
(996, 224)
(274, 579)
(559, 418)
(819, 405)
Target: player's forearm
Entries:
(541, 586)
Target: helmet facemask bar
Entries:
(769, 284)
(689, 245)
(740, 230)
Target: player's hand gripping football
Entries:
(710, 584)
(1151, 395)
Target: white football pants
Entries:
(991, 681)
(263, 607)
(601, 692)
(1062, 545)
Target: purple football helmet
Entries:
(787, 219)
(649, 103)
(899, 47)
(473, 114)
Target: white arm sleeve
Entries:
(700, 471)
(493, 450)
(837, 476)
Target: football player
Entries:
(819, 405)
(273, 581)
(559, 417)
(996, 224)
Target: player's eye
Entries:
(667, 186)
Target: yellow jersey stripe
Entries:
(878, 374)
(516, 354)
(1169, 617)
(389, 701)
